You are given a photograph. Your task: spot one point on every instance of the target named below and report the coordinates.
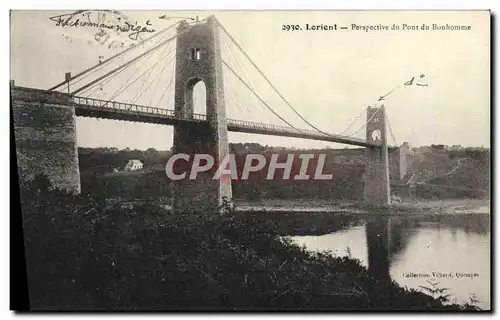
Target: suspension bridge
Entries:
(154, 82)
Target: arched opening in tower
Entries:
(200, 98)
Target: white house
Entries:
(133, 165)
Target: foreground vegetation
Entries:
(83, 255)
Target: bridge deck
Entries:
(90, 107)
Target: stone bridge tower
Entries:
(377, 189)
(198, 58)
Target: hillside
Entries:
(438, 173)
(452, 174)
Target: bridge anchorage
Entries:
(44, 122)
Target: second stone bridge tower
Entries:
(377, 188)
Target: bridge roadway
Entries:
(90, 107)
(97, 108)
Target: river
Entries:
(445, 251)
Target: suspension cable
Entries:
(364, 125)
(113, 57)
(352, 123)
(233, 58)
(268, 81)
(112, 77)
(163, 58)
(379, 99)
(159, 78)
(281, 96)
(257, 95)
(167, 89)
(123, 88)
(133, 60)
(390, 129)
(123, 65)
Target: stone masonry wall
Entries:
(45, 137)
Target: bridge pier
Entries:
(377, 187)
(198, 58)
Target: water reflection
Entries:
(452, 251)
(378, 232)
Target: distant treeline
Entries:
(472, 177)
(104, 160)
(96, 164)
(463, 173)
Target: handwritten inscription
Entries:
(77, 20)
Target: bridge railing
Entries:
(191, 116)
(116, 105)
(269, 126)
(284, 129)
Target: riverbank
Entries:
(451, 207)
(414, 207)
(458, 206)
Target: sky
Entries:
(329, 77)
